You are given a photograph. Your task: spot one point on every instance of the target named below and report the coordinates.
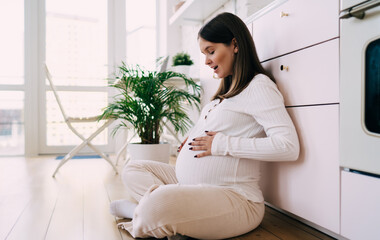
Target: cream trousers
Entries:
(200, 211)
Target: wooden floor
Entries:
(74, 205)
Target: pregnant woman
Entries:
(213, 191)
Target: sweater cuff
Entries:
(219, 144)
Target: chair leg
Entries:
(103, 156)
(121, 152)
(84, 143)
(68, 156)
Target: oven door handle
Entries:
(359, 11)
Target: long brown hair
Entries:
(222, 29)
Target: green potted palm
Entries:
(182, 63)
(147, 102)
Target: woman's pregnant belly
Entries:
(214, 170)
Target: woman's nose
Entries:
(207, 61)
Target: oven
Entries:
(360, 86)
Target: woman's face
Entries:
(219, 56)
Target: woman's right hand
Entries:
(183, 143)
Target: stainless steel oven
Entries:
(360, 86)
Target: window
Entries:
(141, 33)
(12, 77)
(81, 41)
(77, 57)
(372, 87)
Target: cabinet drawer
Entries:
(312, 76)
(307, 23)
(309, 187)
(360, 206)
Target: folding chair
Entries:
(69, 121)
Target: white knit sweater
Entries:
(252, 126)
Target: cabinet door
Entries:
(309, 76)
(307, 23)
(360, 206)
(309, 187)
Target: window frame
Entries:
(35, 83)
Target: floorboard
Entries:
(10, 211)
(75, 204)
(43, 192)
(258, 234)
(98, 223)
(297, 224)
(35, 219)
(67, 219)
(283, 229)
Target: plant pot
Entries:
(156, 152)
(184, 69)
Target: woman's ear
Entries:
(236, 48)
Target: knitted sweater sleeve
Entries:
(266, 105)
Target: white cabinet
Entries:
(360, 206)
(309, 187)
(195, 11)
(309, 76)
(297, 41)
(295, 24)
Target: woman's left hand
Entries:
(203, 143)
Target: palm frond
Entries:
(145, 101)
